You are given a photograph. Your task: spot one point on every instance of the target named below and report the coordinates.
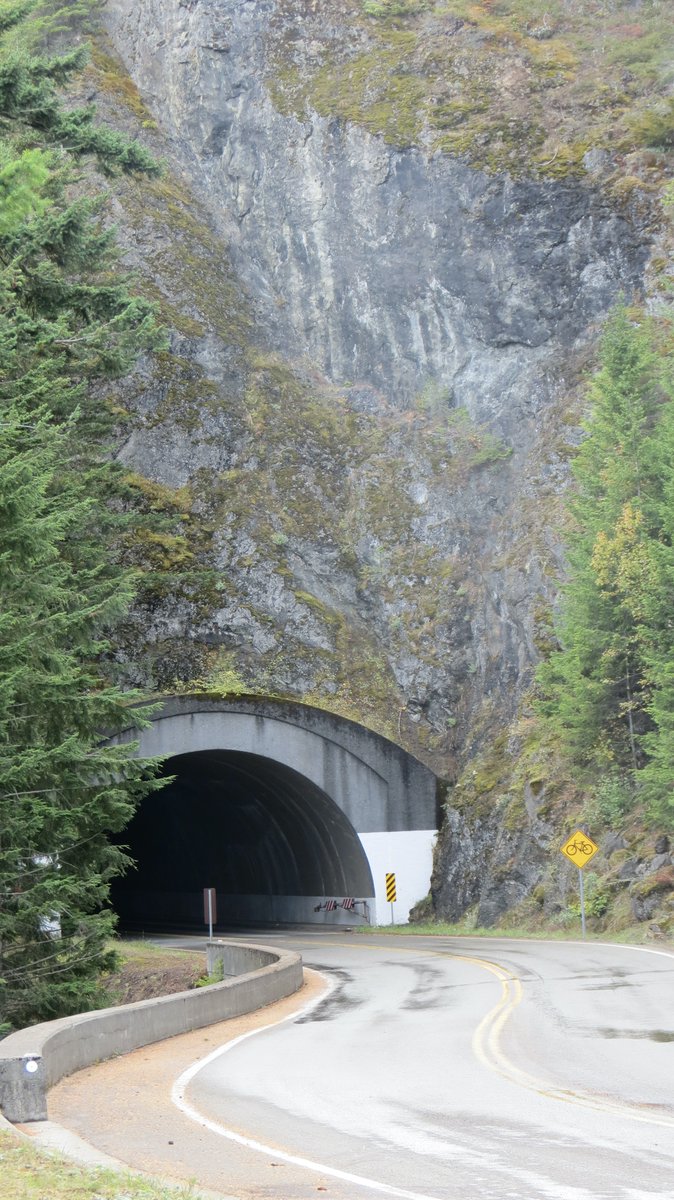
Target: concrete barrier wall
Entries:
(58, 1048)
(235, 958)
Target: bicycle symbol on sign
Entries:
(579, 846)
(579, 849)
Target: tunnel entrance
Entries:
(271, 842)
(281, 807)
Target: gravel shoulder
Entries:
(123, 1108)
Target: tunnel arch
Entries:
(264, 836)
(281, 808)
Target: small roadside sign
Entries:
(391, 890)
(210, 910)
(579, 849)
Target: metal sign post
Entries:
(210, 912)
(579, 849)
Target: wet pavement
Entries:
(434, 1069)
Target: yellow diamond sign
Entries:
(579, 849)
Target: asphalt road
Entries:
(458, 1069)
(453, 1069)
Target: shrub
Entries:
(655, 127)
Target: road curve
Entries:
(453, 1069)
(450, 1069)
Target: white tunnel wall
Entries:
(409, 855)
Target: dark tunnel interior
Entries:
(263, 835)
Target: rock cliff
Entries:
(391, 267)
(362, 424)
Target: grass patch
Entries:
(455, 929)
(147, 971)
(632, 935)
(31, 1174)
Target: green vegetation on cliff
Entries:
(592, 745)
(526, 86)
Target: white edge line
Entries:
(588, 944)
(642, 949)
(183, 1081)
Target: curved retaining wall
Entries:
(58, 1048)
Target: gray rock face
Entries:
(613, 842)
(381, 265)
(484, 866)
(632, 869)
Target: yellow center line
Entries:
(486, 1042)
(488, 1050)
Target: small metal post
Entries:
(210, 914)
(392, 921)
(582, 902)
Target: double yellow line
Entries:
(487, 1049)
(486, 1043)
(486, 1039)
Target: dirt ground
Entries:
(147, 971)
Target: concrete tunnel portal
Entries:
(283, 809)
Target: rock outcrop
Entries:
(385, 266)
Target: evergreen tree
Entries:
(30, 100)
(68, 322)
(594, 678)
(62, 790)
(21, 183)
(604, 688)
(656, 586)
(73, 319)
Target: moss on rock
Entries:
(520, 86)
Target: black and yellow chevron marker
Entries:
(390, 887)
